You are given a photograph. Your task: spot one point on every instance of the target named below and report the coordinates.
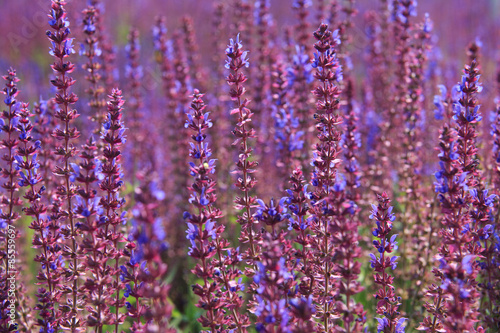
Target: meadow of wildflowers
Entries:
(250, 166)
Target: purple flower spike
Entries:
(388, 303)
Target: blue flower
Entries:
(441, 183)
(234, 45)
(209, 228)
(465, 229)
(301, 4)
(438, 102)
(47, 328)
(158, 31)
(75, 173)
(488, 200)
(128, 290)
(285, 123)
(207, 120)
(273, 213)
(400, 328)
(471, 115)
(394, 262)
(336, 37)
(231, 50)
(373, 212)
(412, 9)
(340, 182)
(158, 229)
(339, 76)
(303, 303)
(315, 62)
(456, 93)
(463, 292)
(391, 216)
(428, 24)
(466, 263)
(376, 232)
(97, 50)
(382, 324)
(486, 232)
(373, 260)
(393, 242)
(89, 28)
(157, 193)
(68, 46)
(300, 62)
(202, 200)
(192, 231)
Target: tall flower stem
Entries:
(236, 60)
(325, 163)
(113, 138)
(61, 48)
(387, 301)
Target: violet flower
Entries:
(272, 214)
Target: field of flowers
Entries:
(250, 166)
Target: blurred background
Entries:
(24, 22)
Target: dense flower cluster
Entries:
(10, 172)
(205, 235)
(112, 215)
(147, 216)
(62, 47)
(152, 248)
(387, 302)
(325, 162)
(236, 61)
